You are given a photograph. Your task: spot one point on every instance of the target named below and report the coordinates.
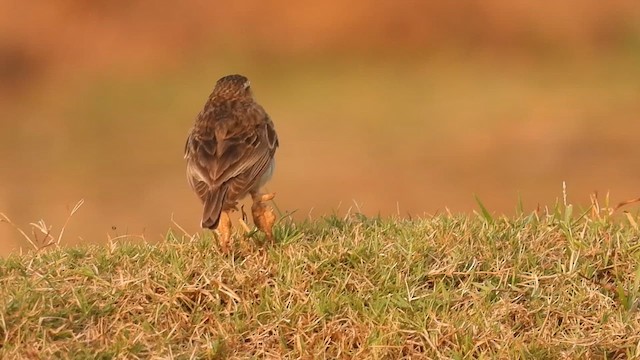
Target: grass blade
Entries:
(485, 213)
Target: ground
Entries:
(551, 284)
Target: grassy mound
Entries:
(536, 285)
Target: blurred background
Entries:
(404, 107)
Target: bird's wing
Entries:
(213, 198)
(236, 154)
(197, 173)
(245, 151)
(243, 167)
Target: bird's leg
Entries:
(224, 232)
(243, 220)
(263, 216)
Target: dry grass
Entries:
(550, 284)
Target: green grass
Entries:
(544, 285)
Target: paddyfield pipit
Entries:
(230, 154)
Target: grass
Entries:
(543, 285)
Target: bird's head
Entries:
(232, 86)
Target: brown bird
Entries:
(230, 153)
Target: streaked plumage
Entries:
(230, 149)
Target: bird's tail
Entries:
(213, 202)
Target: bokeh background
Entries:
(390, 107)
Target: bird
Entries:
(230, 153)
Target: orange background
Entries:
(406, 107)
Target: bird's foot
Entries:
(224, 232)
(263, 216)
